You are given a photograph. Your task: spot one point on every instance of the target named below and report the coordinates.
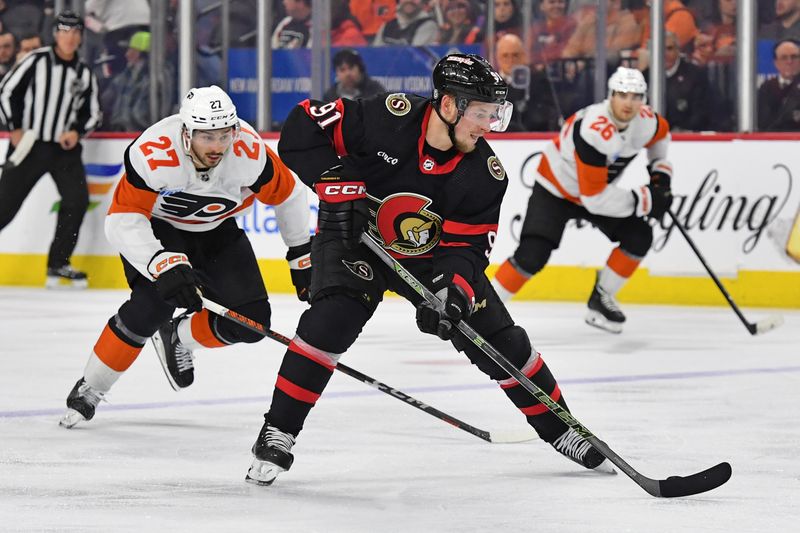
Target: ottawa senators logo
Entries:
(398, 104)
(495, 168)
(405, 225)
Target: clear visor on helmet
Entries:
(492, 117)
(209, 139)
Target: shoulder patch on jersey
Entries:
(496, 168)
(398, 104)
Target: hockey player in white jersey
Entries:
(172, 219)
(577, 179)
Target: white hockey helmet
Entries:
(627, 80)
(208, 108)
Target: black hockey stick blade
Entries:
(710, 479)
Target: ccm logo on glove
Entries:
(165, 260)
(341, 192)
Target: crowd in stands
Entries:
(549, 64)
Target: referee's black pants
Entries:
(66, 168)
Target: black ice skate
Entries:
(271, 455)
(604, 313)
(572, 446)
(175, 359)
(81, 403)
(66, 277)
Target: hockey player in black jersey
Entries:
(418, 175)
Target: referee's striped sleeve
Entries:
(12, 91)
(89, 114)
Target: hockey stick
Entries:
(494, 437)
(21, 150)
(671, 487)
(762, 326)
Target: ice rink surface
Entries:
(679, 391)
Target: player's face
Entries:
(210, 145)
(479, 118)
(625, 106)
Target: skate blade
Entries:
(61, 284)
(595, 319)
(162, 358)
(263, 473)
(71, 418)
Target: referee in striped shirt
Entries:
(53, 94)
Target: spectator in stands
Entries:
(412, 25)
(687, 91)
(127, 98)
(779, 97)
(27, 44)
(294, 31)
(372, 14)
(528, 89)
(507, 18)
(460, 17)
(8, 51)
(622, 32)
(703, 49)
(345, 30)
(352, 80)
(549, 36)
(786, 24)
(678, 19)
(117, 21)
(723, 31)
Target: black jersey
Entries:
(425, 203)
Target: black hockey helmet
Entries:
(68, 19)
(468, 77)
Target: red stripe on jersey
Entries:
(425, 159)
(453, 244)
(295, 391)
(338, 136)
(295, 348)
(540, 408)
(467, 229)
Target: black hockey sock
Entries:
(303, 375)
(547, 425)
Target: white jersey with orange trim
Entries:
(161, 182)
(587, 158)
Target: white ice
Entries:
(683, 388)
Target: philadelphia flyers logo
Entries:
(398, 104)
(183, 205)
(406, 226)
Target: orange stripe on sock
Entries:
(295, 391)
(541, 408)
(622, 263)
(201, 330)
(115, 353)
(510, 278)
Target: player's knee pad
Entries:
(333, 322)
(533, 253)
(637, 238)
(512, 342)
(232, 332)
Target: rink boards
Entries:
(738, 196)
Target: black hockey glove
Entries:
(651, 201)
(662, 200)
(299, 258)
(458, 300)
(343, 210)
(176, 281)
(660, 171)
